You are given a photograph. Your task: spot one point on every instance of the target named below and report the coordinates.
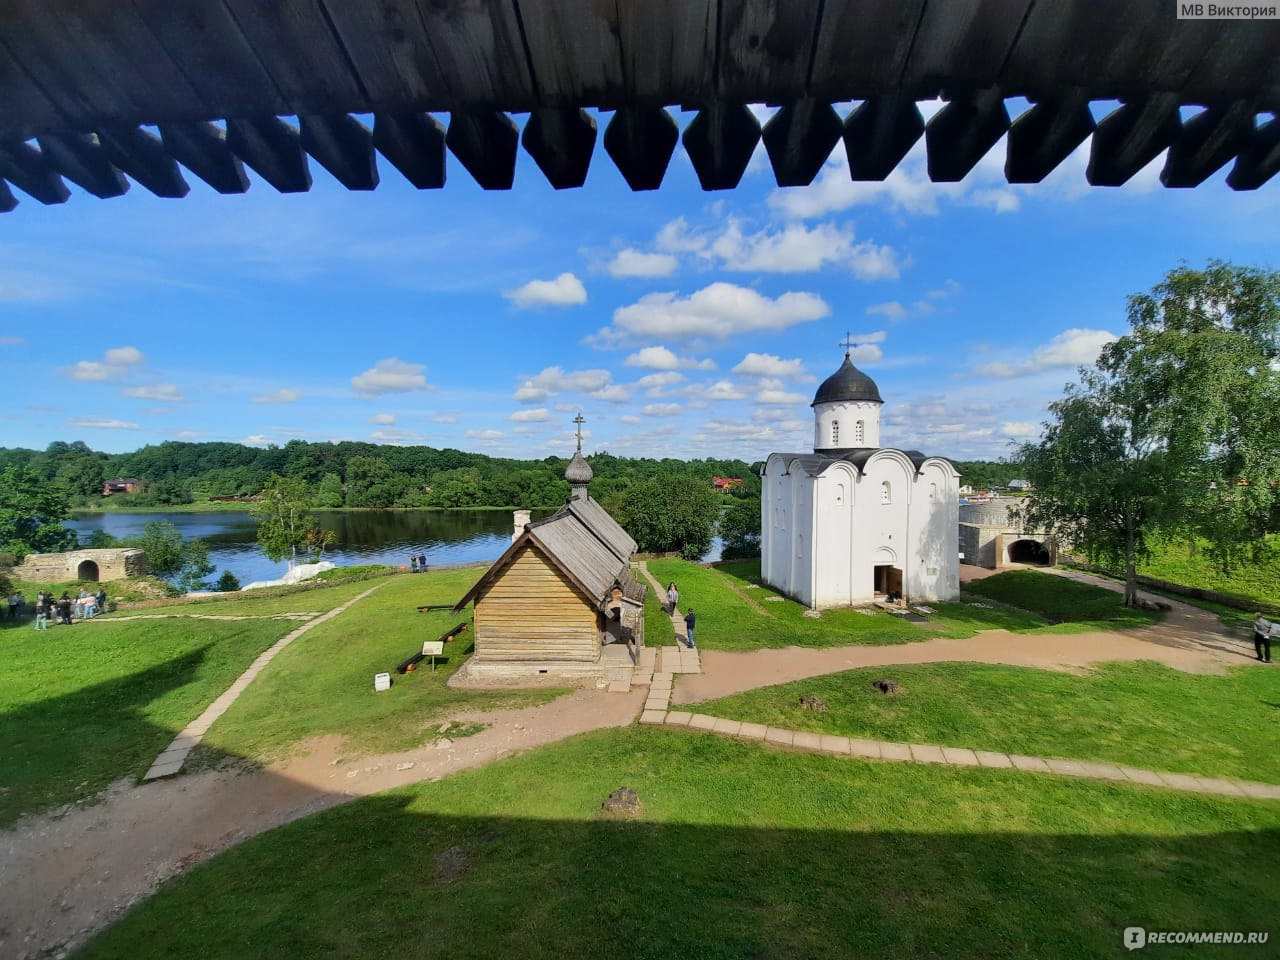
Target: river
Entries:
(365, 536)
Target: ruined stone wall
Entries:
(100, 565)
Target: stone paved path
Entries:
(956, 756)
(174, 756)
(681, 658)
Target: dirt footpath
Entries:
(63, 878)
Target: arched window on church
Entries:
(858, 431)
(933, 491)
(835, 433)
(886, 494)
(839, 494)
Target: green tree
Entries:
(329, 493)
(31, 511)
(196, 566)
(740, 530)
(163, 543)
(1173, 432)
(285, 522)
(669, 514)
(228, 582)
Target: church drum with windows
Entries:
(854, 522)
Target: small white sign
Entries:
(381, 681)
(433, 648)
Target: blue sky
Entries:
(681, 323)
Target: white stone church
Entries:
(853, 521)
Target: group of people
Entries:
(60, 610)
(690, 620)
(1264, 631)
(418, 564)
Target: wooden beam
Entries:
(668, 51)
(1259, 158)
(24, 108)
(962, 44)
(485, 142)
(720, 141)
(799, 139)
(81, 159)
(142, 156)
(879, 133)
(561, 141)
(1207, 141)
(1044, 136)
(765, 49)
(273, 150)
(478, 48)
(1130, 137)
(30, 171)
(202, 149)
(575, 50)
(414, 145)
(640, 140)
(7, 200)
(862, 47)
(342, 145)
(962, 133)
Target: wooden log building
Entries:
(561, 601)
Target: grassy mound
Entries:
(1082, 606)
(738, 851)
(1139, 714)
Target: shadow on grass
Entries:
(72, 746)
(377, 878)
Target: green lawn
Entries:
(1182, 564)
(132, 589)
(739, 851)
(658, 631)
(1140, 714)
(323, 683)
(735, 611)
(270, 601)
(84, 705)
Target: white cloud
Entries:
(392, 375)
(767, 365)
(11, 341)
(654, 358)
(636, 263)
(893, 310)
(383, 419)
(612, 394)
(656, 384)
(773, 392)
(256, 440)
(1018, 428)
(630, 418)
(718, 310)
(720, 390)
(163, 392)
(397, 436)
(870, 261)
(1072, 348)
(565, 290)
(554, 380)
(444, 418)
(661, 409)
(280, 396)
(485, 434)
(536, 415)
(99, 423)
(123, 356)
(115, 362)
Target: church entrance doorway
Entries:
(888, 581)
(1029, 551)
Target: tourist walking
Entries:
(673, 597)
(413, 564)
(1274, 634)
(42, 617)
(13, 605)
(1262, 637)
(689, 621)
(100, 600)
(422, 563)
(64, 609)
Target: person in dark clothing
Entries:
(1262, 628)
(689, 621)
(64, 609)
(101, 598)
(422, 563)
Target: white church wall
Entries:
(935, 534)
(847, 414)
(803, 537)
(881, 528)
(834, 548)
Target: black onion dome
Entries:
(578, 470)
(847, 383)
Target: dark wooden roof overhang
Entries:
(105, 93)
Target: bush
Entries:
(228, 582)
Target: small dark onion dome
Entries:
(847, 383)
(578, 470)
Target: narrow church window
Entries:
(839, 493)
(835, 433)
(857, 434)
(933, 491)
(885, 493)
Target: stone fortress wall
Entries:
(91, 565)
(992, 537)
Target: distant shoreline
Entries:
(226, 506)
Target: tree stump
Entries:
(885, 685)
(810, 702)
